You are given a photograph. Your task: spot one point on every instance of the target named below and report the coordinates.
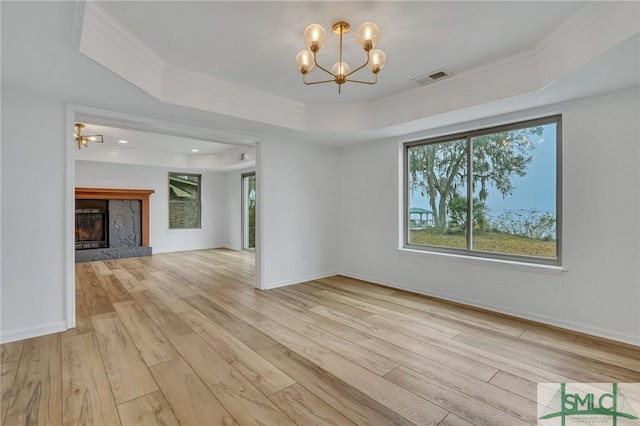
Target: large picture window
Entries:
(184, 201)
(492, 192)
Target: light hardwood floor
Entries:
(183, 338)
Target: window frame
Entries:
(169, 200)
(468, 135)
(244, 206)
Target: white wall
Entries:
(33, 216)
(600, 292)
(214, 220)
(299, 206)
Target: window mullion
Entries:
(469, 194)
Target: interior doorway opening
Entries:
(249, 211)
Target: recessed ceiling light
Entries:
(194, 150)
(122, 141)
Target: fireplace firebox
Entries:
(92, 217)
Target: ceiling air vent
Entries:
(423, 80)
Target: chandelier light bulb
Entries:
(304, 61)
(314, 37)
(368, 35)
(377, 60)
(340, 70)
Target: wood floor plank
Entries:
(293, 319)
(353, 404)
(140, 274)
(593, 353)
(189, 398)
(396, 398)
(460, 316)
(128, 374)
(453, 420)
(114, 289)
(97, 300)
(175, 283)
(37, 391)
(306, 408)
(11, 351)
(264, 375)
(150, 341)
(243, 400)
(578, 368)
(244, 332)
(100, 268)
(470, 409)
(166, 296)
(8, 372)
(149, 410)
(128, 280)
(384, 314)
(409, 352)
(87, 398)
(486, 393)
(515, 384)
(297, 295)
(452, 348)
(167, 321)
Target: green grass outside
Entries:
(493, 242)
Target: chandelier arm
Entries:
(315, 61)
(309, 83)
(360, 67)
(364, 82)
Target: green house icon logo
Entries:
(590, 405)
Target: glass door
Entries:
(249, 211)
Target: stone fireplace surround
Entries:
(127, 223)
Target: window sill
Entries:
(484, 261)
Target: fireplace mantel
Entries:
(122, 194)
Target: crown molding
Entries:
(77, 24)
(196, 90)
(109, 43)
(592, 31)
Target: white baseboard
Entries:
(299, 280)
(27, 333)
(198, 247)
(556, 322)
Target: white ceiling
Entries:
(148, 141)
(253, 44)
(234, 60)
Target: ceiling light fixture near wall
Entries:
(123, 141)
(195, 150)
(315, 37)
(85, 139)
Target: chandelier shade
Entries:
(315, 37)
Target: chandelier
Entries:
(85, 139)
(315, 36)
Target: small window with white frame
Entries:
(184, 201)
